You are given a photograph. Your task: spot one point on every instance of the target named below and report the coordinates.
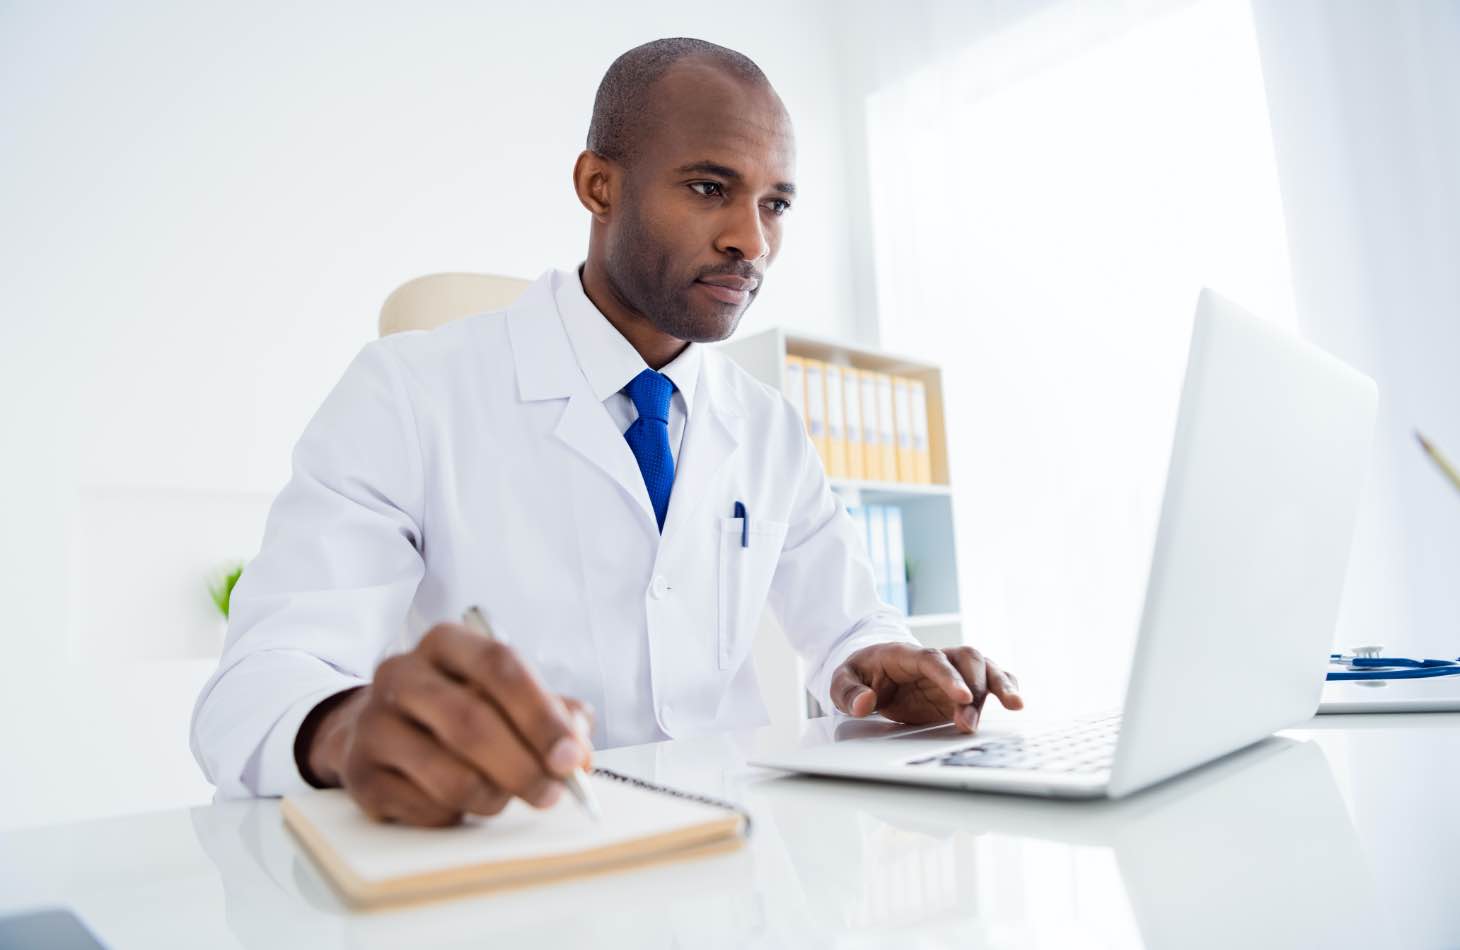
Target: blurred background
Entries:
(202, 207)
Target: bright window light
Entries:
(1047, 205)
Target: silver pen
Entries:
(577, 780)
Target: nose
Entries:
(744, 233)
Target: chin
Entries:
(702, 325)
(713, 329)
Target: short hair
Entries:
(613, 132)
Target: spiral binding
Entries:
(676, 792)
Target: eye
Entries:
(779, 206)
(711, 189)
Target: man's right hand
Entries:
(458, 725)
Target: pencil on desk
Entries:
(576, 781)
(1440, 461)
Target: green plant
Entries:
(221, 590)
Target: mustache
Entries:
(743, 269)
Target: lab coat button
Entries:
(659, 588)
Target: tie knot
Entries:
(650, 392)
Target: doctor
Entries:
(574, 465)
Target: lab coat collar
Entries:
(541, 355)
(609, 361)
(547, 368)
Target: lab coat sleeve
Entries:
(327, 595)
(823, 592)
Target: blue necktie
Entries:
(648, 437)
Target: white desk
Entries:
(1349, 839)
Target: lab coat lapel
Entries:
(711, 437)
(547, 369)
(589, 430)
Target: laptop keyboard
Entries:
(1083, 748)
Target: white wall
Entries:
(203, 208)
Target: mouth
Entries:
(728, 289)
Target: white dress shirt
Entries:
(609, 362)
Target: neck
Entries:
(656, 347)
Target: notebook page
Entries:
(377, 851)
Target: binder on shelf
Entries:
(907, 469)
(896, 560)
(886, 429)
(922, 449)
(851, 389)
(816, 407)
(877, 548)
(796, 386)
(836, 430)
(871, 426)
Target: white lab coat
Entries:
(473, 465)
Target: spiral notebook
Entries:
(374, 863)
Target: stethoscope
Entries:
(1366, 664)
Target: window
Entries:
(1046, 206)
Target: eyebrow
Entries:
(725, 171)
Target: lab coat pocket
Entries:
(748, 561)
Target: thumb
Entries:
(850, 694)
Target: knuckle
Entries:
(507, 669)
(459, 720)
(434, 636)
(390, 669)
(492, 651)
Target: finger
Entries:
(447, 780)
(949, 690)
(386, 795)
(1004, 685)
(475, 730)
(850, 693)
(581, 714)
(499, 674)
(972, 667)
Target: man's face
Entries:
(699, 216)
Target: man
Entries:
(577, 465)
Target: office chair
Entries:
(427, 302)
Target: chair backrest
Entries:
(427, 302)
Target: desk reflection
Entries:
(1256, 850)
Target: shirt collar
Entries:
(609, 360)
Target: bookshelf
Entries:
(926, 508)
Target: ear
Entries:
(595, 178)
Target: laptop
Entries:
(1267, 465)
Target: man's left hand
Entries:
(914, 684)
